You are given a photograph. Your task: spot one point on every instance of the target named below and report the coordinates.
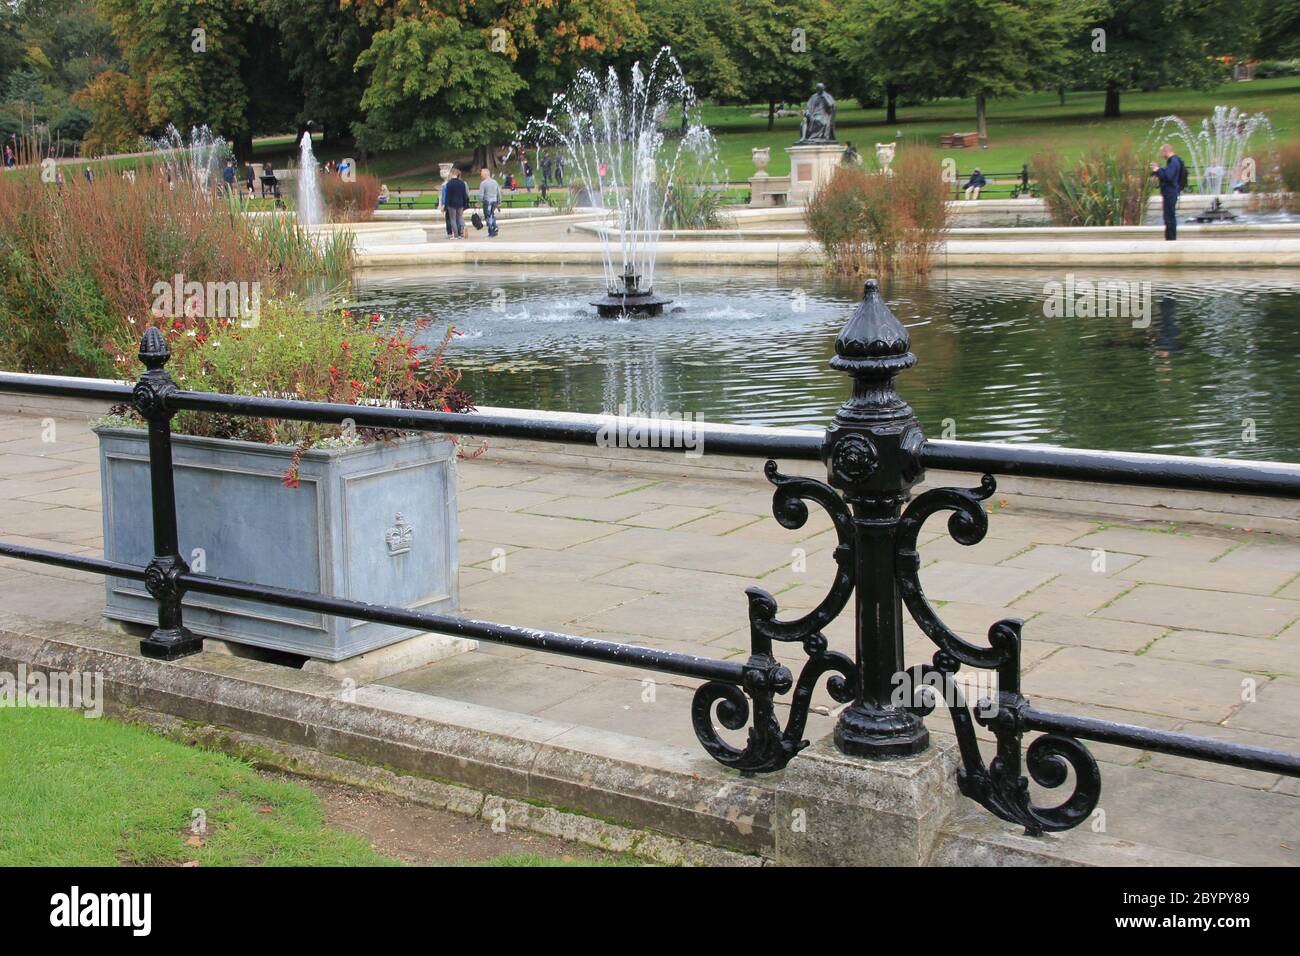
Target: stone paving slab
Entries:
(1189, 628)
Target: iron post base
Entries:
(171, 644)
(863, 731)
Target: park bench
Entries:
(517, 198)
(1011, 185)
(398, 201)
(270, 184)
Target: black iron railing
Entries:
(875, 453)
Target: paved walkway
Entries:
(1193, 629)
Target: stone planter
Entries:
(374, 523)
(444, 169)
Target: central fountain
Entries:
(311, 206)
(197, 162)
(1216, 154)
(618, 151)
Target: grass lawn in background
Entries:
(1018, 129)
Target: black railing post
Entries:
(872, 453)
(151, 397)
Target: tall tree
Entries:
(471, 72)
(1151, 45)
(780, 47)
(1279, 28)
(698, 32)
(187, 78)
(320, 42)
(985, 48)
(869, 41)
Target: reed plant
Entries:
(870, 223)
(350, 200)
(81, 263)
(1106, 187)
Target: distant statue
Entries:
(818, 124)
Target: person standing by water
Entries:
(457, 200)
(528, 175)
(489, 195)
(559, 169)
(1173, 180)
(546, 172)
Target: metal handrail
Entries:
(1280, 479)
(875, 453)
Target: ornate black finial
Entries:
(873, 338)
(154, 352)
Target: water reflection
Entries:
(752, 346)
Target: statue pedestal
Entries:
(810, 166)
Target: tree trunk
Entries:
(244, 146)
(1060, 91)
(771, 115)
(485, 156)
(982, 118)
(891, 104)
(1112, 101)
(685, 117)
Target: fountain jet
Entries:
(311, 207)
(619, 154)
(1216, 154)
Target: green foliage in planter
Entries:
(291, 352)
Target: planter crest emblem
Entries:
(398, 537)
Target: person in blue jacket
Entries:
(1173, 180)
(442, 203)
(973, 185)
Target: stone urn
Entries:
(444, 169)
(761, 157)
(885, 156)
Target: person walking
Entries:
(489, 195)
(546, 172)
(528, 175)
(442, 204)
(1173, 180)
(228, 176)
(457, 201)
(250, 179)
(559, 169)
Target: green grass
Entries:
(81, 792)
(1018, 128)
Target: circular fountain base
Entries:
(632, 304)
(1215, 214)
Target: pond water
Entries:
(1215, 371)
